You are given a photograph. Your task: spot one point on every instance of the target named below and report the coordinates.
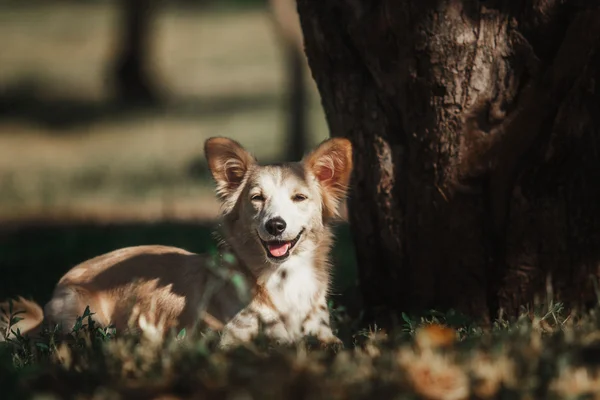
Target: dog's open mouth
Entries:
(280, 249)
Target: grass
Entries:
(545, 354)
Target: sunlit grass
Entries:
(546, 353)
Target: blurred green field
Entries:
(66, 151)
(80, 176)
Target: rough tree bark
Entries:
(133, 79)
(476, 126)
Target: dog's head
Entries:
(273, 212)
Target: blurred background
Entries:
(104, 108)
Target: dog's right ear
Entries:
(228, 162)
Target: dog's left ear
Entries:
(228, 162)
(331, 164)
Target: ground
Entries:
(545, 354)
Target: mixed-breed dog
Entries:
(275, 220)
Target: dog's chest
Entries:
(294, 288)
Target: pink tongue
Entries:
(278, 250)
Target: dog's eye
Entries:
(257, 197)
(299, 197)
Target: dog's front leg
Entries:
(317, 324)
(247, 324)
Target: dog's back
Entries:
(165, 285)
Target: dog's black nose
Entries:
(275, 226)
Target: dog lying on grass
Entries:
(275, 220)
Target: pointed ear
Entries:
(331, 164)
(228, 162)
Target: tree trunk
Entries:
(133, 79)
(476, 129)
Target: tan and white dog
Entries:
(275, 219)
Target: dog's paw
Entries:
(331, 343)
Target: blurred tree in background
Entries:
(289, 32)
(476, 131)
(134, 82)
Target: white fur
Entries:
(278, 202)
(294, 296)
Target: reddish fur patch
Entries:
(228, 162)
(261, 296)
(331, 165)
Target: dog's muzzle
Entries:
(279, 250)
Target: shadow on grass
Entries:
(24, 100)
(33, 257)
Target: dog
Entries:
(276, 221)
